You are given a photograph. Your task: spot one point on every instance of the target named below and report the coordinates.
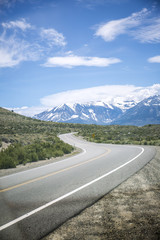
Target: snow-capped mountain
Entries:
(124, 105)
(90, 113)
(123, 113)
(145, 112)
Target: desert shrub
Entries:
(66, 149)
(4, 139)
(33, 157)
(58, 153)
(6, 161)
(21, 154)
(121, 134)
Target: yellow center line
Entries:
(54, 173)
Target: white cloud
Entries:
(149, 33)
(138, 25)
(53, 37)
(107, 93)
(110, 30)
(75, 61)
(155, 59)
(21, 24)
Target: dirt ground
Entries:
(129, 212)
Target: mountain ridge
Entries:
(140, 113)
(145, 112)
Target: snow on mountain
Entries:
(145, 112)
(124, 104)
(91, 113)
(122, 112)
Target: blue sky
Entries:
(75, 50)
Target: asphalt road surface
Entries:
(35, 202)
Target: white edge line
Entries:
(66, 195)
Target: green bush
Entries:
(6, 162)
(21, 154)
(149, 134)
(58, 153)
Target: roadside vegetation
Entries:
(30, 140)
(146, 135)
(21, 154)
(33, 140)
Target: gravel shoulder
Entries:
(130, 211)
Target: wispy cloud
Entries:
(14, 50)
(20, 41)
(21, 24)
(7, 59)
(138, 25)
(149, 33)
(14, 45)
(110, 30)
(155, 59)
(53, 37)
(75, 61)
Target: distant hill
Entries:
(13, 123)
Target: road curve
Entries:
(37, 201)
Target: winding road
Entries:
(35, 202)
